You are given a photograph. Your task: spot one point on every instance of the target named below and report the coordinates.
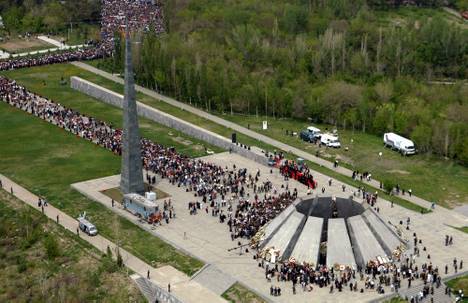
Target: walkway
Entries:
(280, 145)
(182, 286)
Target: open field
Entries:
(46, 82)
(432, 178)
(459, 283)
(48, 263)
(46, 160)
(239, 294)
(405, 15)
(81, 34)
(17, 45)
(65, 70)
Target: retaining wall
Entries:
(107, 96)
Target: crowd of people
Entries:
(89, 53)
(143, 15)
(299, 172)
(209, 182)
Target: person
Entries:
(1, 184)
(11, 190)
(169, 287)
(112, 202)
(77, 231)
(148, 275)
(57, 219)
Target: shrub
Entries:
(52, 247)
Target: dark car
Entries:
(307, 136)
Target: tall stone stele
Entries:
(131, 180)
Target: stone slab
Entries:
(339, 249)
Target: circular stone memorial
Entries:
(332, 231)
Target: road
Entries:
(182, 286)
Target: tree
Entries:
(384, 91)
(340, 96)
(51, 246)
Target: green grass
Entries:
(429, 177)
(396, 300)
(405, 15)
(46, 80)
(46, 160)
(239, 294)
(66, 70)
(459, 283)
(463, 229)
(41, 261)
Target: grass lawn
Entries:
(46, 160)
(81, 34)
(405, 15)
(396, 300)
(441, 181)
(239, 294)
(66, 70)
(459, 283)
(116, 194)
(17, 45)
(46, 82)
(41, 261)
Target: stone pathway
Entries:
(204, 237)
(280, 145)
(214, 279)
(182, 286)
(52, 41)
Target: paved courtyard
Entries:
(202, 235)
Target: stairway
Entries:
(145, 286)
(439, 294)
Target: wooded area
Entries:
(338, 62)
(47, 16)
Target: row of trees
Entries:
(47, 16)
(338, 62)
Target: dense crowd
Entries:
(374, 276)
(209, 182)
(90, 53)
(299, 172)
(139, 15)
(249, 217)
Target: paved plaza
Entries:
(202, 235)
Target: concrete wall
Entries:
(170, 121)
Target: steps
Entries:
(439, 294)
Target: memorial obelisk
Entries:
(131, 175)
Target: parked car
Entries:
(317, 133)
(307, 136)
(330, 141)
(87, 227)
(403, 145)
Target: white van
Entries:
(399, 143)
(316, 132)
(87, 227)
(330, 141)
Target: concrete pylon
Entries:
(131, 180)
